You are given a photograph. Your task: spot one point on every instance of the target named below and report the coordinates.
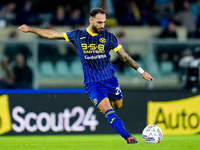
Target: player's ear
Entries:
(90, 19)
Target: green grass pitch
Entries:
(96, 142)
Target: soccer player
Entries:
(93, 45)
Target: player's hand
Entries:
(147, 76)
(24, 28)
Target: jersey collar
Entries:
(92, 34)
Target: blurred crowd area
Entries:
(173, 63)
(42, 63)
(119, 12)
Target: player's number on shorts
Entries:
(118, 90)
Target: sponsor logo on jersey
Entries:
(92, 48)
(95, 57)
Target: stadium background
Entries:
(56, 70)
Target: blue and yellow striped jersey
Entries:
(93, 50)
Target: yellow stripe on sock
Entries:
(110, 112)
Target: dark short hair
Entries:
(96, 11)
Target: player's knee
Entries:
(104, 108)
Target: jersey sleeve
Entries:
(115, 43)
(66, 37)
(70, 35)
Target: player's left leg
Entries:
(117, 104)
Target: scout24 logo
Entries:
(75, 119)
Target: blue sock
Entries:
(116, 123)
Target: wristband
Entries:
(140, 70)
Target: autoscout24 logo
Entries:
(74, 120)
(176, 117)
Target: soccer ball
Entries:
(152, 134)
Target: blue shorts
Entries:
(105, 89)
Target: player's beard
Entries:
(98, 31)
